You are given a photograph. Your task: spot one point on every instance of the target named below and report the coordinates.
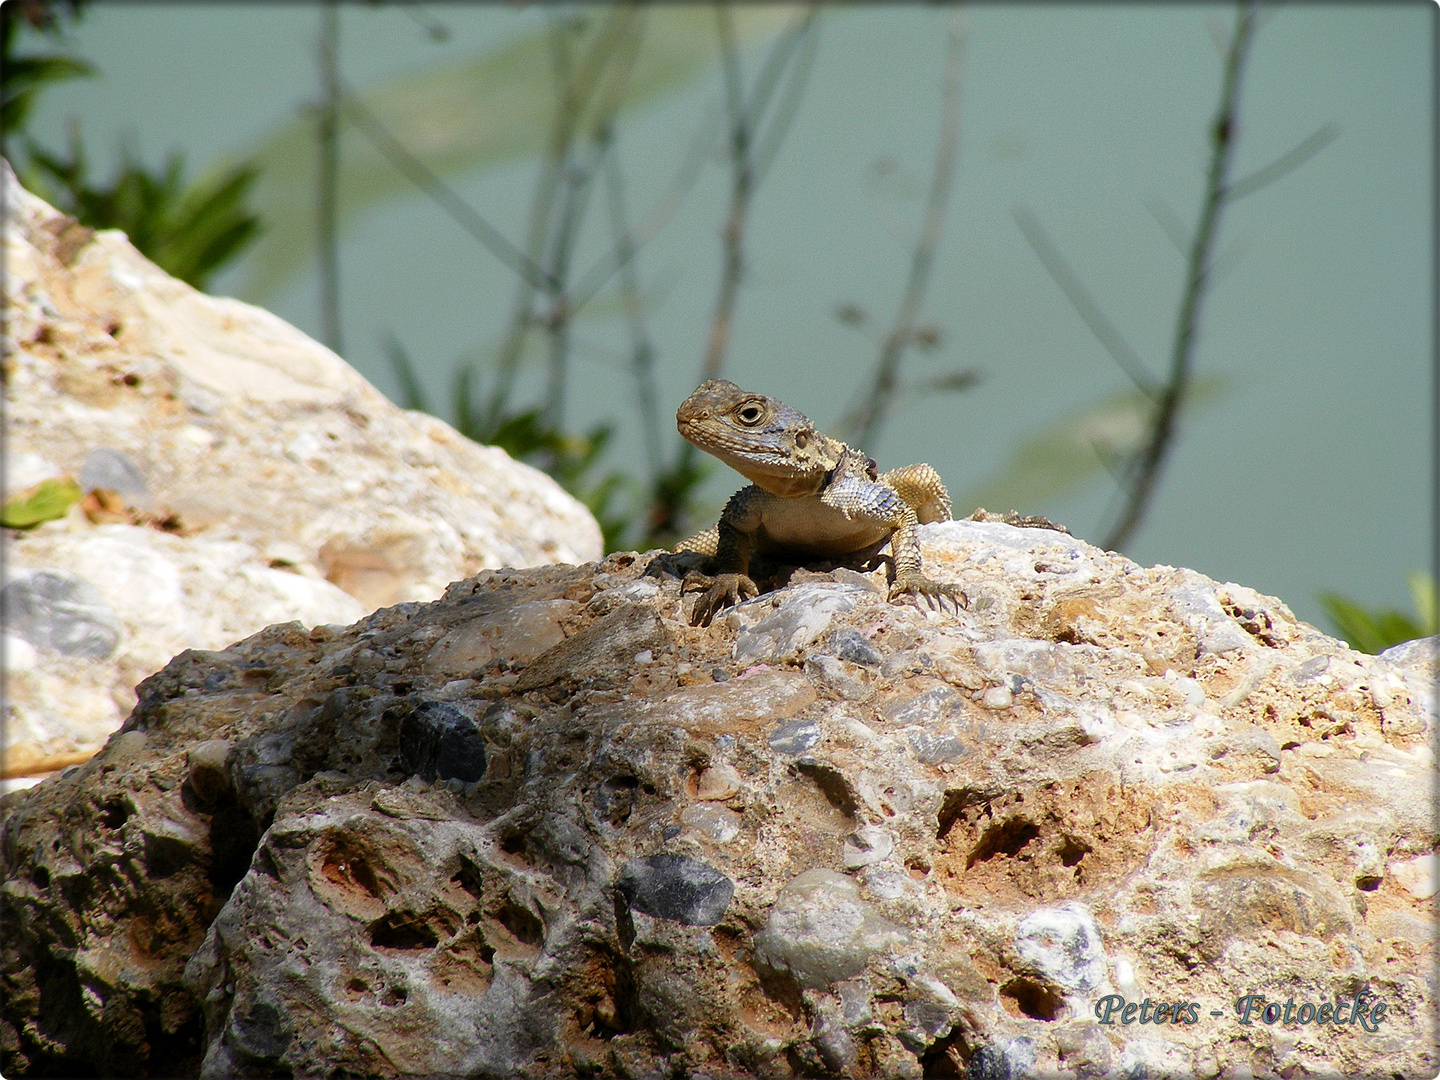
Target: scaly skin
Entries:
(810, 496)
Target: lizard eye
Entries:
(750, 415)
(801, 440)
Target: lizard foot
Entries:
(934, 593)
(722, 591)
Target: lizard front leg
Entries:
(891, 507)
(729, 583)
(905, 562)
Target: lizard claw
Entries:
(934, 593)
(722, 590)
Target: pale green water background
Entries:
(1313, 470)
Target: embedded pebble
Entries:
(677, 888)
(795, 737)
(439, 740)
(1065, 944)
(1420, 877)
(866, 845)
(803, 615)
(820, 931)
(850, 644)
(718, 823)
(107, 468)
(997, 697)
(718, 782)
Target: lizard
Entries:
(810, 496)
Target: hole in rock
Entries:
(468, 878)
(1034, 999)
(1007, 837)
(1368, 882)
(402, 930)
(522, 923)
(114, 814)
(1072, 850)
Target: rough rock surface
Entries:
(544, 827)
(253, 477)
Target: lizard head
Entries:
(772, 445)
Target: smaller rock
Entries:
(830, 672)
(16, 654)
(804, 615)
(835, 1046)
(997, 697)
(677, 888)
(910, 662)
(1064, 944)
(933, 746)
(794, 737)
(209, 777)
(717, 823)
(718, 783)
(1003, 1061)
(927, 708)
(56, 610)
(925, 1022)
(1420, 877)
(440, 741)
(850, 644)
(866, 845)
(820, 931)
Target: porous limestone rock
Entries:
(247, 476)
(544, 827)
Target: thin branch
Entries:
(1151, 457)
(579, 182)
(1287, 162)
(444, 196)
(572, 96)
(328, 181)
(1169, 221)
(594, 279)
(1084, 304)
(789, 102)
(740, 188)
(672, 486)
(642, 350)
(771, 70)
(866, 420)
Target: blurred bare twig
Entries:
(746, 116)
(328, 180)
(441, 193)
(863, 423)
(642, 350)
(1138, 472)
(1084, 303)
(1143, 470)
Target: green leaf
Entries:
(189, 232)
(464, 115)
(23, 78)
(46, 501)
(1422, 595)
(1071, 451)
(1370, 631)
